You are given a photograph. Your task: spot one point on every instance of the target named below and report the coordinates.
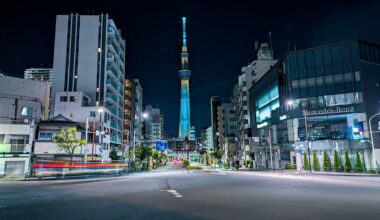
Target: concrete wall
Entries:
(26, 90)
(59, 62)
(88, 54)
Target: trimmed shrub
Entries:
(290, 167)
(226, 165)
(371, 171)
(305, 162)
(337, 163)
(316, 166)
(186, 163)
(347, 163)
(358, 165)
(326, 162)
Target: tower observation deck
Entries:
(184, 74)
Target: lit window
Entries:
(26, 111)
(73, 98)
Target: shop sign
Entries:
(330, 110)
(262, 124)
(282, 117)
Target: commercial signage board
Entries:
(329, 110)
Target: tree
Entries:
(217, 154)
(306, 165)
(113, 155)
(67, 141)
(157, 156)
(144, 153)
(326, 162)
(359, 165)
(347, 163)
(337, 163)
(316, 166)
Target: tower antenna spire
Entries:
(184, 31)
(184, 74)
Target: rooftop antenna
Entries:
(256, 45)
(270, 42)
(288, 45)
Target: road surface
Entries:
(175, 193)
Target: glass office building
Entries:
(329, 91)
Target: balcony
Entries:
(112, 85)
(112, 97)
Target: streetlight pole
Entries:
(372, 141)
(270, 149)
(290, 102)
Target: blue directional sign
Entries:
(161, 145)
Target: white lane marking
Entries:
(218, 173)
(174, 193)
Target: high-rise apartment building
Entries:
(249, 75)
(89, 61)
(214, 104)
(39, 74)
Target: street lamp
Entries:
(291, 102)
(144, 115)
(372, 141)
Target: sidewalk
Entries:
(287, 172)
(306, 173)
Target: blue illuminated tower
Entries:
(184, 74)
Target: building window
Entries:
(73, 98)
(27, 111)
(45, 136)
(63, 98)
(92, 113)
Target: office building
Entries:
(317, 100)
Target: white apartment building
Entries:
(89, 66)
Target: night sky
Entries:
(221, 36)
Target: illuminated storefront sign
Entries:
(262, 124)
(331, 110)
(283, 117)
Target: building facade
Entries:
(227, 130)
(249, 75)
(89, 57)
(132, 112)
(23, 99)
(318, 100)
(39, 74)
(214, 104)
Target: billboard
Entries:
(161, 145)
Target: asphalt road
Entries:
(174, 193)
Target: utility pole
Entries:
(93, 138)
(270, 149)
(85, 150)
